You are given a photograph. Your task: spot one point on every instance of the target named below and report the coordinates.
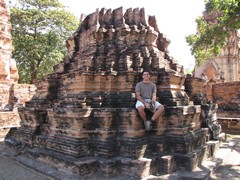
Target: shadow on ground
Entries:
(230, 168)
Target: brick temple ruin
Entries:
(11, 92)
(226, 66)
(82, 117)
(222, 75)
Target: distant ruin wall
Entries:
(208, 92)
(227, 96)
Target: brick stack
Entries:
(195, 86)
(83, 117)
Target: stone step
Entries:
(109, 168)
(137, 168)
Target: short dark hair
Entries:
(145, 71)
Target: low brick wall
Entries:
(209, 92)
(230, 125)
(17, 94)
(227, 96)
(25, 92)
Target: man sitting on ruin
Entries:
(146, 98)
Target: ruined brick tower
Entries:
(226, 66)
(8, 68)
(82, 116)
(8, 75)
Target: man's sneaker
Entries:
(147, 125)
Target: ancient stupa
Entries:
(82, 117)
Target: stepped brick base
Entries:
(135, 161)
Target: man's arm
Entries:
(154, 97)
(139, 97)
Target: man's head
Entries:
(145, 75)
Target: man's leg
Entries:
(140, 107)
(142, 113)
(158, 112)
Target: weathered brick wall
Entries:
(227, 96)
(25, 92)
(209, 92)
(5, 89)
(15, 94)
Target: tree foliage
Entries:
(212, 34)
(39, 31)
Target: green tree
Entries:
(211, 36)
(39, 31)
